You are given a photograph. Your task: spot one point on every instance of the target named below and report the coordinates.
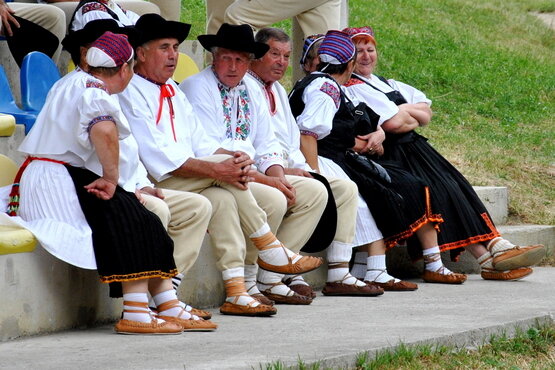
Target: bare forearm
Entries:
(400, 123)
(104, 136)
(420, 112)
(196, 168)
(309, 148)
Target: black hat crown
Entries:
(238, 38)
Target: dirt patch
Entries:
(547, 18)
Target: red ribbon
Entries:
(167, 91)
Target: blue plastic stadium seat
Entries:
(8, 106)
(38, 74)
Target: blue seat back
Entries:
(38, 74)
(7, 104)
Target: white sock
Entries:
(234, 280)
(277, 256)
(359, 267)
(170, 295)
(377, 270)
(250, 279)
(271, 282)
(485, 261)
(295, 280)
(342, 275)
(144, 315)
(499, 246)
(433, 262)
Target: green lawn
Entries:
(489, 67)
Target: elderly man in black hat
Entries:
(184, 215)
(179, 155)
(234, 114)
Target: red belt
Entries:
(13, 205)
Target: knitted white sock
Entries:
(499, 246)
(170, 295)
(277, 256)
(271, 282)
(485, 261)
(360, 265)
(250, 279)
(377, 270)
(144, 315)
(295, 280)
(339, 274)
(433, 262)
(234, 283)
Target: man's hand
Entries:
(155, 192)
(7, 19)
(236, 174)
(297, 172)
(102, 188)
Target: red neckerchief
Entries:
(167, 91)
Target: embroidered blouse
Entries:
(98, 9)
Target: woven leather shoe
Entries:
(511, 275)
(305, 290)
(262, 299)
(435, 277)
(392, 286)
(304, 264)
(294, 298)
(154, 327)
(229, 308)
(201, 313)
(340, 289)
(518, 257)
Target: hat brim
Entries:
(74, 40)
(256, 48)
(171, 30)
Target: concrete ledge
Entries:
(496, 200)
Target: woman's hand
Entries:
(6, 15)
(102, 188)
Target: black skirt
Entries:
(466, 220)
(129, 241)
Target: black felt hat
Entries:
(93, 30)
(238, 38)
(153, 26)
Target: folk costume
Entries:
(90, 10)
(169, 134)
(129, 241)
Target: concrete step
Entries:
(496, 200)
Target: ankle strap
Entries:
(338, 265)
(168, 305)
(235, 286)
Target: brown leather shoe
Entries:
(288, 299)
(229, 308)
(190, 324)
(435, 277)
(392, 286)
(302, 289)
(304, 264)
(261, 298)
(518, 257)
(511, 275)
(201, 313)
(153, 327)
(340, 289)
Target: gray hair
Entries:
(270, 33)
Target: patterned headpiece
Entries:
(337, 48)
(109, 50)
(361, 33)
(308, 43)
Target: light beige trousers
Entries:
(345, 193)
(314, 16)
(46, 16)
(234, 212)
(185, 216)
(292, 225)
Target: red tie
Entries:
(167, 91)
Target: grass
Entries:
(530, 349)
(489, 68)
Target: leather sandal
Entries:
(440, 278)
(153, 327)
(190, 324)
(517, 256)
(301, 289)
(304, 264)
(261, 298)
(391, 285)
(290, 298)
(231, 308)
(338, 288)
(200, 313)
(510, 275)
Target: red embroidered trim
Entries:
(474, 239)
(91, 7)
(332, 91)
(309, 133)
(353, 81)
(139, 276)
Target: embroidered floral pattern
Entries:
(239, 98)
(332, 91)
(91, 7)
(95, 84)
(270, 157)
(95, 120)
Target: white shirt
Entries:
(244, 126)
(61, 131)
(378, 101)
(283, 125)
(160, 152)
(321, 98)
(98, 10)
